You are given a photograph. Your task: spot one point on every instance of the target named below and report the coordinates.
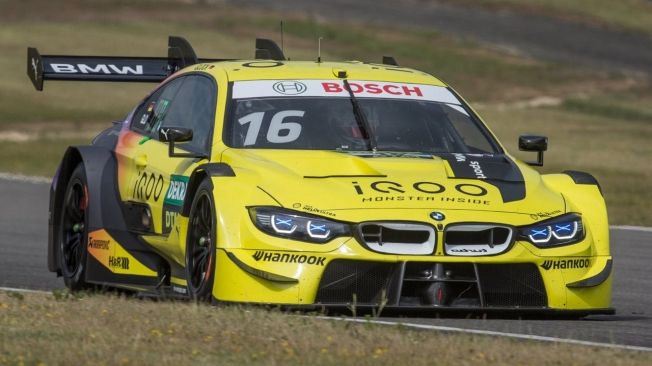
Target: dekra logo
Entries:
(177, 190)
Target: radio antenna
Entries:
(319, 49)
(282, 46)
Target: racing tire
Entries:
(73, 231)
(200, 244)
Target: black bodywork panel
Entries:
(583, 178)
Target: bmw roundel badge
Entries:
(437, 216)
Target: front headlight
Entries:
(561, 230)
(297, 225)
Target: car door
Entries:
(148, 175)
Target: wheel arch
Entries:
(100, 170)
(198, 175)
(70, 160)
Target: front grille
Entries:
(477, 239)
(398, 237)
(432, 284)
(512, 285)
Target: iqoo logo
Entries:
(389, 187)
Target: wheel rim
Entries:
(200, 240)
(73, 228)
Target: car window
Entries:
(327, 123)
(150, 114)
(193, 107)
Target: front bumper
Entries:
(344, 278)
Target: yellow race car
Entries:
(319, 184)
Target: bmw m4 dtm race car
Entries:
(307, 183)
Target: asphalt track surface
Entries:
(23, 255)
(529, 35)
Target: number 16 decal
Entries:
(276, 127)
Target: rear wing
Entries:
(125, 69)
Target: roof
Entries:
(241, 70)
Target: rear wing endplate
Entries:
(111, 68)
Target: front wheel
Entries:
(201, 243)
(73, 232)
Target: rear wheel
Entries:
(201, 242)
(73, 233)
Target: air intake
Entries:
(477, 240)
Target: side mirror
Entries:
(533, 143)
(172, 135)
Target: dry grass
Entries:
(633, 15)
(107, 330)
(610, 138)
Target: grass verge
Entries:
(633, 15)
(611, 141)
(108, 330)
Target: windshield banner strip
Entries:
(335, 88)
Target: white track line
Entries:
(631, 228)
(493, 333)
(25, 178)
(12, 289)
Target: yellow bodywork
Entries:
(277, 178)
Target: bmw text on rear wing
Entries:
(111, 68)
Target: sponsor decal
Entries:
(385, 186)
(429, 188)
(107, 69)
(118, 262)
(170, 221)
(173, 201)
(110, 254)
(261, 255)
(312, 209)
(148, 186)
(566, 264)
(203, 67)
(496, 170)
(179, 290)
(465, 250)
(477, 170)
(289, 87)
(177, 190)
(98, 243)
(374, 88)
(548, 214)
(336, 88)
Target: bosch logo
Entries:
(437, 216)
(290, 87)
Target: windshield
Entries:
(414, 121)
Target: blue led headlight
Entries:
(297, 225)
(561, 230)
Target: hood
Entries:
(331, 180)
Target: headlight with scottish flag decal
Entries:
(562, 230)
(295, 225)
